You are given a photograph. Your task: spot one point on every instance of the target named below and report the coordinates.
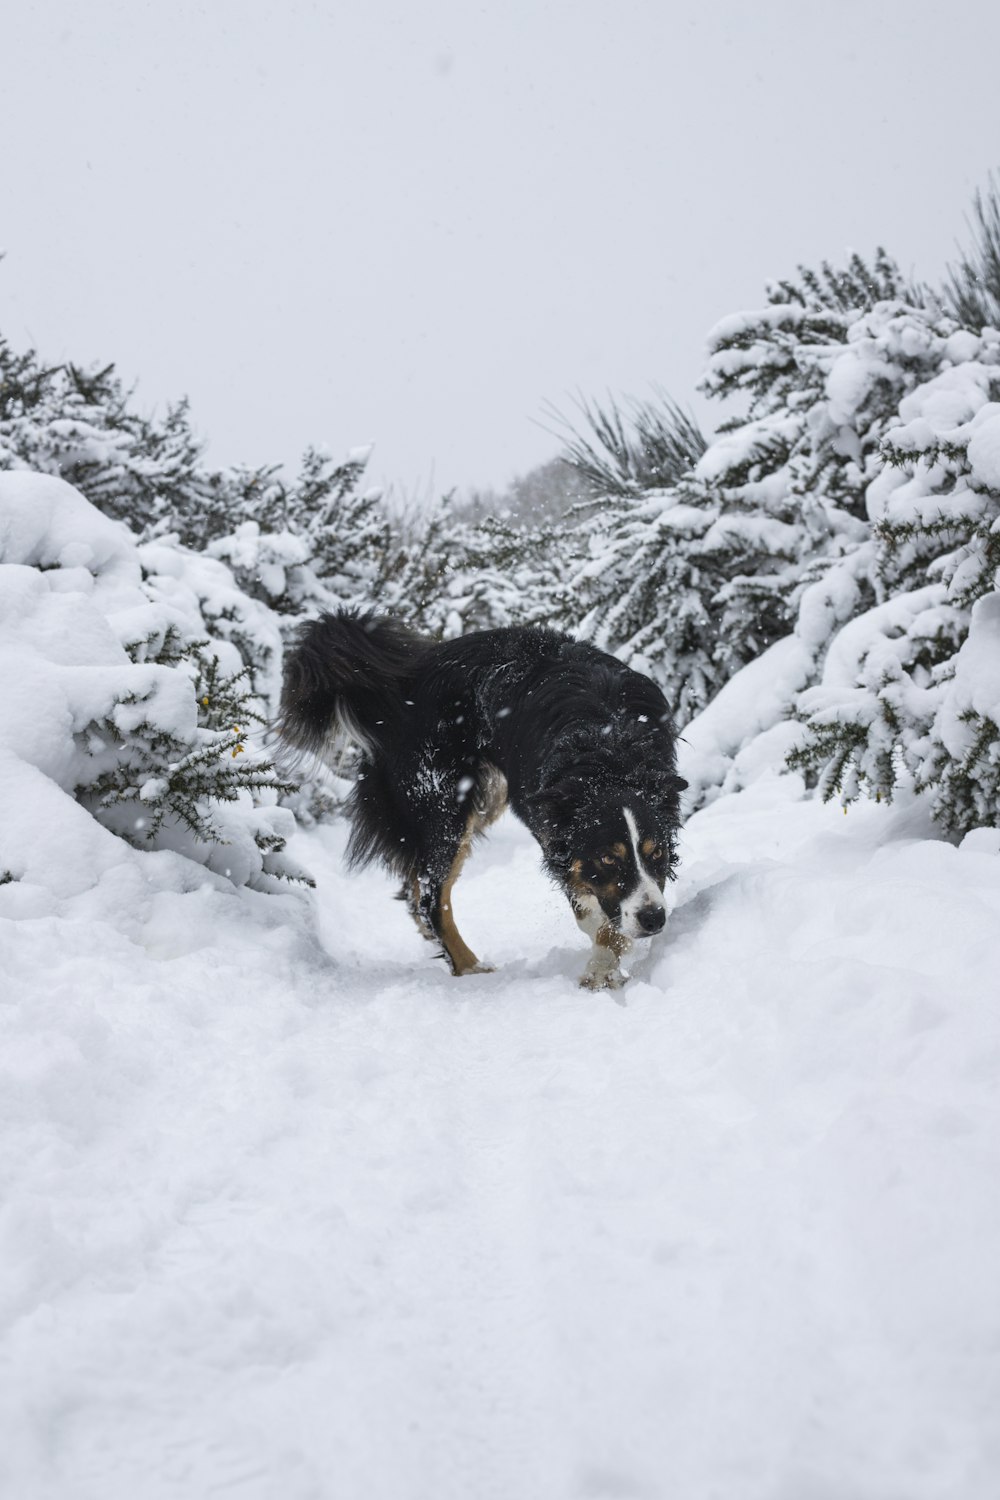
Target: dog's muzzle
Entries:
(650, 919)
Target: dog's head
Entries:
(615, 861)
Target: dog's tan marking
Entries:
(609, 937)
(648, 845)
(619, 849)
(463, 960)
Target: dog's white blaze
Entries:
(647, 892)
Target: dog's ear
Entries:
(680, 784)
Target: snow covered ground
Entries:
(287, 1213)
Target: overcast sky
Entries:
(415, 224)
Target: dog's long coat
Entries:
(580, 746)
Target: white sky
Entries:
(414, 224)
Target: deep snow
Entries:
(288, 1212)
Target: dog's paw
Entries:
(477, 968)
(602, 979)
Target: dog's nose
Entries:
(651, 918)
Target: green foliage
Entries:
(966, 786)
(157, 769)
(868, 737)
(852, 289)
(972, 290)
(624, 450)
(914, 700)
(310, 541)
(82, 425)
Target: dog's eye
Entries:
(608, 859)
(656, 853)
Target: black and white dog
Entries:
(450, 732)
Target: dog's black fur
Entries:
(581, 746)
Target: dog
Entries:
(451, 732)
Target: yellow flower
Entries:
(204, 702)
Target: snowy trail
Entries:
(288, 1212)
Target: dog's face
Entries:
(618, 869)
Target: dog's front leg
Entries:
(603, 971)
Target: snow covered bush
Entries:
(907, 688)
(698, 577)
(644, 591)
(634, 582)
(81, 425)
(298, 544)
(822, 369)
(804, 589)
(310, 543)
(459, 576)
(117, 701)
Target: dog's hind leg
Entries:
(433, 907)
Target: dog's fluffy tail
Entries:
(344, 679)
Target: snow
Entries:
(936, 409)
(46, 523)
(745, 729)
(286, 1211)
(984, 447)
(751, 443)
(833, 598)
(744, 325)
(289, 1211)
(871, 636)
(975, 686)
